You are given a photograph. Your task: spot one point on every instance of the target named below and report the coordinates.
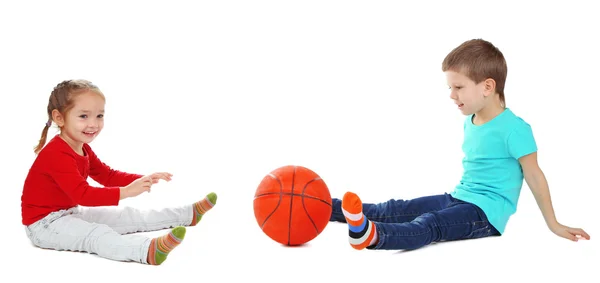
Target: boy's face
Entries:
(468, 96)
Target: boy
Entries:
(500, 151)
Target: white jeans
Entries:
(103, 230)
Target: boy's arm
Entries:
(536, 180)
(105, 175)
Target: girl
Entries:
(61, 211)
(500, 151)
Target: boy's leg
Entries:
(394, 210)
(125, 220)
(64, 232)
(459, 220)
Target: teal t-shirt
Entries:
(492, 177)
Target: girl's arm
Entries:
(62, 167)
(105, 175)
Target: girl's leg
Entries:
(394, 211)
(63, 231)
(458, 220)
(125, 220)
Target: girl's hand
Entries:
(573, 234)
(136, 187)
(160, 175)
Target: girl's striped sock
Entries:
(362, 231)
(161, 247)
(203, 206)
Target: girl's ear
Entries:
(58, 118)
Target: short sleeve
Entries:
(521, 141)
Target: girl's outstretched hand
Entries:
(136, 187)
(573, 234)
(160, 176)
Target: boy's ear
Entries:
(489, 86)
(58, 118)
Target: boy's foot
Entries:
(203, 206)
(161, 247)
(362, 232)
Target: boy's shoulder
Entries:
(506, 118)
(503, 125)
(516, 121)
(520, 140)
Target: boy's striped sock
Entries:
(203, 206)
(161, 247)
(362, 231)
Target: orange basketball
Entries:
(292, 205)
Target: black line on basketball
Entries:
(303, 206)
(292, 195)
(291, 203)
(278, 203)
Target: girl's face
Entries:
(83, 122)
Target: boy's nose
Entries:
(453, 95)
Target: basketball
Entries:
(292, 205)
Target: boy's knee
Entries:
(425, 219)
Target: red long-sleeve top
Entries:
(58, 180)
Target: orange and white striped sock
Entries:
(161, 247)
(362, 232)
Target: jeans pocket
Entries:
(480, 229)
(43, 233)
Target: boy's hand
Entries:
(573, 234)
(160, 175)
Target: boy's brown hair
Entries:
(478, 60)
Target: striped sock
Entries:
(203, 206)
(362, 231)
(161, 247)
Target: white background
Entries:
(222, 92)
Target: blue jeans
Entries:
(414, 223)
